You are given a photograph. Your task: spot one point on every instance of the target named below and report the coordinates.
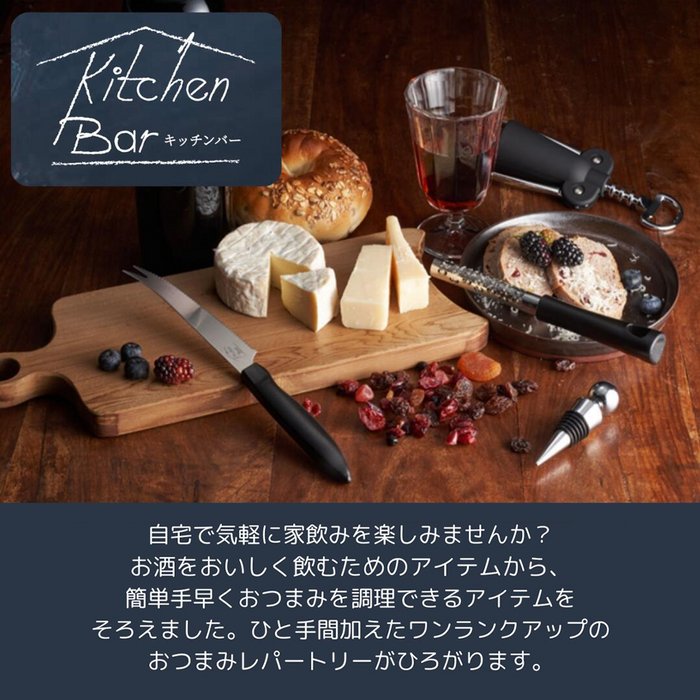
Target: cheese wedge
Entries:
(255, 256)
(411, 281)
(365, 302)
(311, 297)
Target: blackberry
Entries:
(109, 360)
(566, 252)
(130, 350)
(136, 368)
(535, 249)
(173, 370)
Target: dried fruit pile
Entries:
(442, 394)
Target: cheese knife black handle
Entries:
(639, 341)
(299, 424)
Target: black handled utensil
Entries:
(301, 426)
(535, 161)
(639, 341)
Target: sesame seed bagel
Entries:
(324, 188)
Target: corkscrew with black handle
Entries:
(532, 160)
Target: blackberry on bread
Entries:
(595, 284)
(514, 268)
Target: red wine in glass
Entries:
(455, 115)
(453, 181)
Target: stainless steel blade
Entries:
(220, 337)
(480, 282)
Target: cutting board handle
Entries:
(23, 376)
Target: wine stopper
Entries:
(586, 414)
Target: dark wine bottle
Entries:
(178, 226)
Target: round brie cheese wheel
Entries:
(252, 258)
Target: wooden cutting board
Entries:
(299, 359)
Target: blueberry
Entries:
(130, 350)
(109, 361)
(136, 368)
(631, 279)
(651, 305)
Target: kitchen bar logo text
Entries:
(167, 99)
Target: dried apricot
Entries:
(477, 367)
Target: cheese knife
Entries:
(301, 426)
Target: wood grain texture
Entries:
(299, 359)
(624, 76)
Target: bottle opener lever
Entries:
(535, 161)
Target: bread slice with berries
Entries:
(506, 260)
(595, 284)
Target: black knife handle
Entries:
(639, 341)
(301, 426)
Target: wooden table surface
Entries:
(624, 76)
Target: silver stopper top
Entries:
(606, 396)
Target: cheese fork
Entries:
(301, 426)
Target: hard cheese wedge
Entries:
(411, 281)
(311, 297)
(365, 302)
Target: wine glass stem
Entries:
(455, 221)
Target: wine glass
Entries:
(455, 116)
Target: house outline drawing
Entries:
(184, 40)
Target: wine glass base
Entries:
(444, 240)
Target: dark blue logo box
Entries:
(161, 99)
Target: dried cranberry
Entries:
(313, 408)
(467, 436)
(371, 416)
(476, 410)
(497, 404)
(525, 386)
(364, 394)
(402, 380)
(347, 388)
(420, 425)
(486, 391)
(508, 390)
(447, 409)
(417, 397)
(462, 436)
(381, 381)
(385, 405)
(430, 369)
(461, 422)
(429, 382)
(442, 376)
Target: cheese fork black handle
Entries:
(298, 423)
